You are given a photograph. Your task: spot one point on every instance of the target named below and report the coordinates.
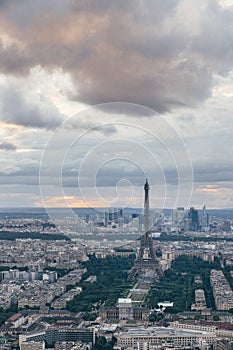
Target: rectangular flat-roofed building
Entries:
(146, 338)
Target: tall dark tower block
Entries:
(146, 260)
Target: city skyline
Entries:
(95, 98)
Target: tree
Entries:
(88, 316)
(102, 344)
(112, 282)
(156, 317)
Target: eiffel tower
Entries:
(146, 259)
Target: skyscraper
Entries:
(178, 215)
(204, 219)
(193, 219)
(106, 218)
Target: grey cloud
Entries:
(23, 12)
(107, 130)
(186, 118)
(19, 166)
(17, 109)
(14, 60)
(210, 172)
(143, 51)
(85, 122)
(7, 146)
(21, 180)
(138, 7)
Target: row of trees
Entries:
(11, 236)
(180, 237)
(178, 285)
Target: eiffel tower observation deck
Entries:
(146, 262)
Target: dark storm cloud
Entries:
(7, 146)
(155, 53)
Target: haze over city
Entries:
(115, 91)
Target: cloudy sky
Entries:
(95, 95)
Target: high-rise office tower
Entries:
(106, 218)
(193, 219)
(178, 215)
(226, 226)
(204, 219)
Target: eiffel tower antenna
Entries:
(146, 207)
